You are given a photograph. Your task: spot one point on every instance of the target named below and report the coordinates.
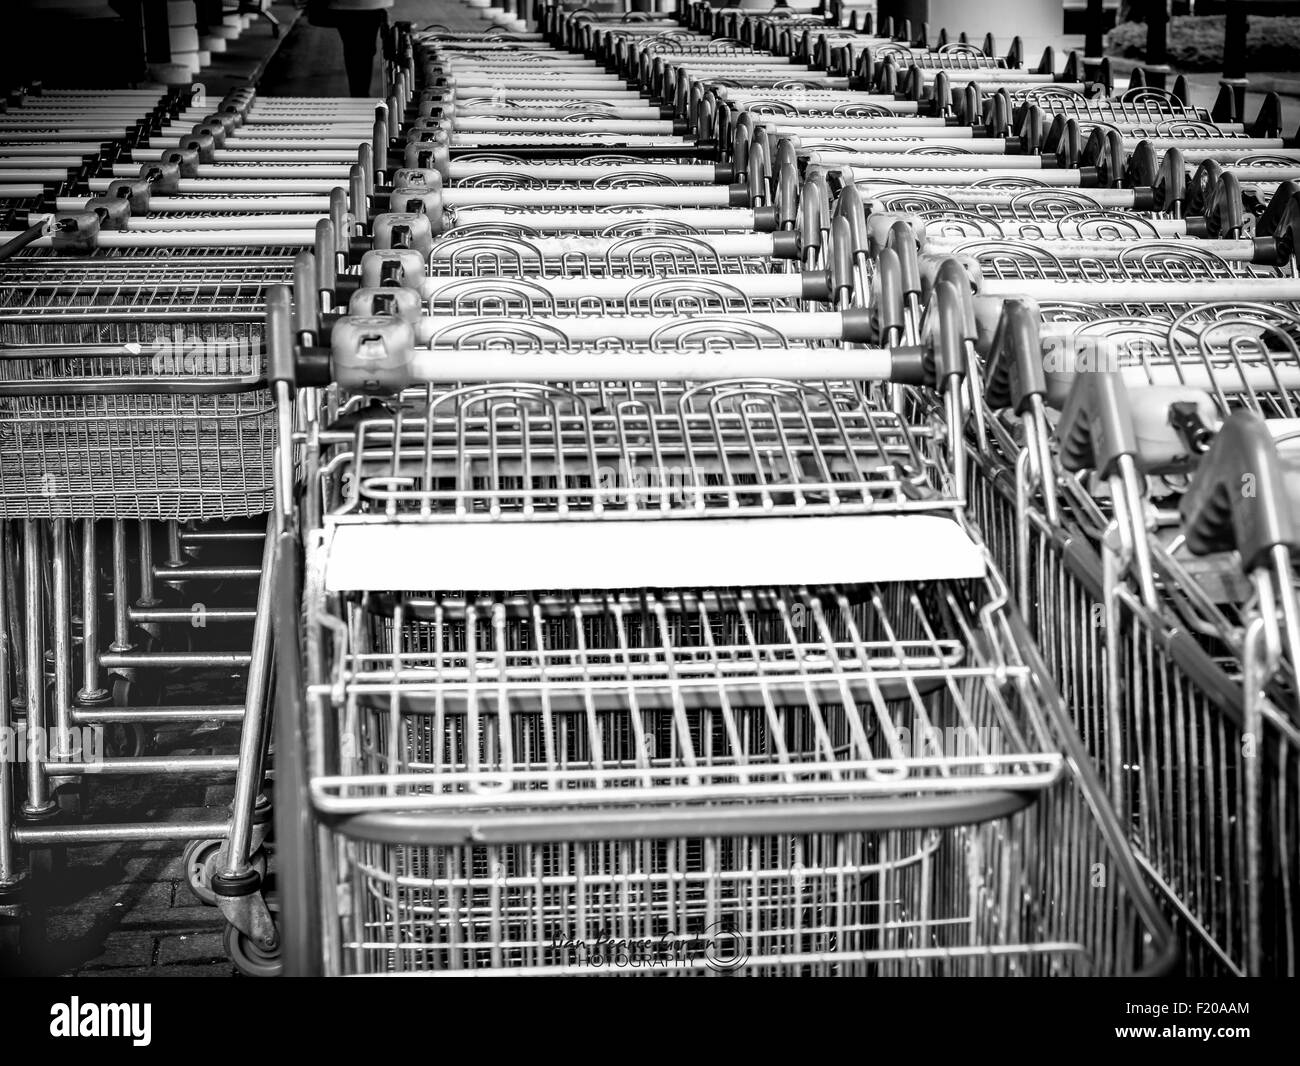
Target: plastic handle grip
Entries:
(1200, 189)
(756, 180)
(1239, 498)
(889, 294)
(840, 258)
(1225, 213)
(949, 346)
(279, 335)
(864, 72)
(325, 255)
(305, 295)
(942, 92)
(999, 120)
(786, 196)
(1287, 233)
(357, 198)
(1276, 210)
(902, 239)
(1033, 127)
(1096, 426)
(952, 272)
(814, 216)
(1014, 369)
(339, 219)
(849, 206)
(1143, 168)
(1063, 141)
(1171, 181)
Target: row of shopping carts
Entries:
(137, 440)
(1133, 310)
(642, 525)
(748, 494)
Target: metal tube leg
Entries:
(61, 746)
(121, 605)
(91, 691)
(38, 803)
(147, 597)
(10, 593)
(8, 862)
(175, 556)
(248, 780)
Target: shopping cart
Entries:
(679, 763)
(134, 396)
(1168, 684)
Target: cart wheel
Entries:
(126, 740)
(199, 862)
(253, 960)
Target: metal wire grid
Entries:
(1242, 355)
(1044, 206)
(1143, 105)
(515, 251)
(195, 441)
(1170, 261)
(527, 452)
(1178, 742)
(122, 301)
(987, 220)
(145, 251)
(1004, 898)
(581, 697)
(713, 698)
(124, 456)
(487, 297)
(944, 59)
(807, 108)
(521, 179)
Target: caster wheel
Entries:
(200, 864)
(253, 960)
(126, 740)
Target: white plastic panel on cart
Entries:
(591, 555)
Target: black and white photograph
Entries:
(651, 488)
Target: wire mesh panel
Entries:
(1004, 898)
(668, 449)
(1161, 708)
(681, 708)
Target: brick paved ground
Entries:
(126, 909)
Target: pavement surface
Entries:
(310, 62)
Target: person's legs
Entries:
(360, 31)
